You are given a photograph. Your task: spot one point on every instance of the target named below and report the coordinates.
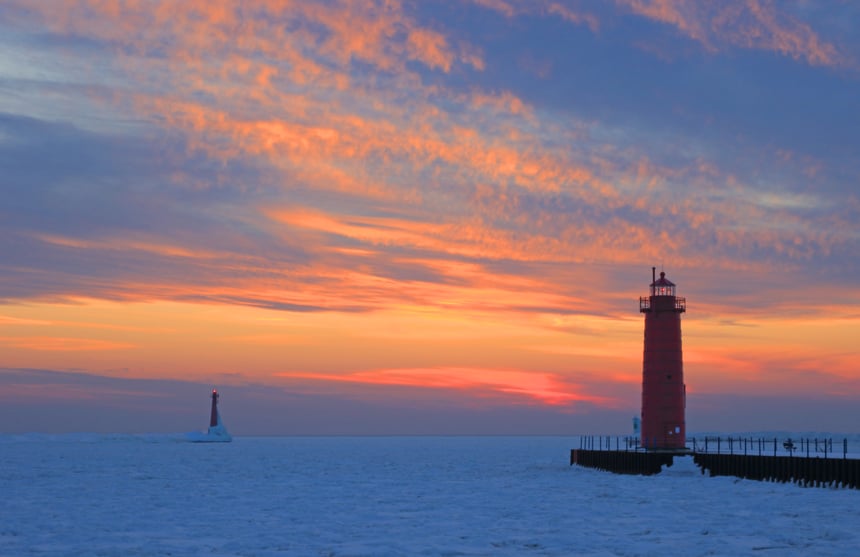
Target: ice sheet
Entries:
(157, 495)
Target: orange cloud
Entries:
(63, 344)
(540, 387)
(118, 244)
(336, 138)
(323, 152)
(472, 238)
(431, 48)
(21, 321)
(679, 13)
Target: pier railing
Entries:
(761, 446)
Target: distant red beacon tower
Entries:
(663, 425)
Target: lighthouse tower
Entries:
(663, 389)
(213, 415)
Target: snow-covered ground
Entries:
(149, 495)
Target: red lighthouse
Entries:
(663, 389)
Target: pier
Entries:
(622, 462)
(660, 429)
(804, 462)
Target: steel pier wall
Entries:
(804, 471)
(622, 462)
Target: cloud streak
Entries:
(540, 388)
(754, 24)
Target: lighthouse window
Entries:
(664, 290)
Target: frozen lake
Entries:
(156, 495)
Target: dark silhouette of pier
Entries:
(805, 462)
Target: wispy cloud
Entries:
(539, 387)
(63, 344)
(573, 14)
(755, 24)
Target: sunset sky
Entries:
(394, 216)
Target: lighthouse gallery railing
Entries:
(645, 303)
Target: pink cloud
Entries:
(513, 8)
(755, 24)
(579, 18)
(539, 387)
(63, 344)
